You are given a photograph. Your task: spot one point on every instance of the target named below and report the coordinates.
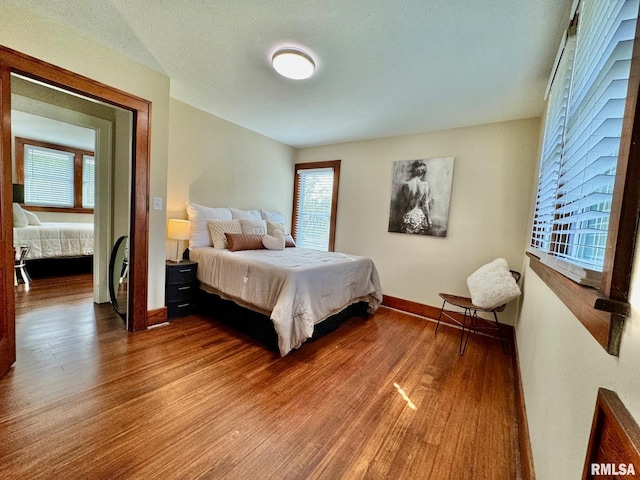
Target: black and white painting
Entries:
(420, 196)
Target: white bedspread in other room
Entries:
(55, 239)
(297, 287)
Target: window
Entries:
(55, 176)
(315, 203)
(585, 218)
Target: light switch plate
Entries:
(157, 203)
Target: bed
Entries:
(55, 240)
(296, 288)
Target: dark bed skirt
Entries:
(53, 267)
(260, 326)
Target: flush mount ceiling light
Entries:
(293, 63)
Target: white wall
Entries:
(219, 164)
(492, 183)
(27, 33)
(562, 367)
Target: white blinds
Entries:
(48, 177)
(552, 149)
(313, 208)
(579, 158)
(88, 176)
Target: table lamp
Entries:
(178, 230)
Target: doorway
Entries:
(12, 62)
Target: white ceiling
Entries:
(385, 67)
(34, 127)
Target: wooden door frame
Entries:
(12, 61)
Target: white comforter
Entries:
(297, 287)
(55, 239)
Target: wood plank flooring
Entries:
(378, 398)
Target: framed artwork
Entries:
(420, 196)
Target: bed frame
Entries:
(259, 326)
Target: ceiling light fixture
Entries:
(293, 63)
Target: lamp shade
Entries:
(178, 229)
(18, 193)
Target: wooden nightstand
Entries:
(180, 288)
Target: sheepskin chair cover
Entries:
(493, 285)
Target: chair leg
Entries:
(472, 325)
(467, 313)
(502, 341)
(440, 316)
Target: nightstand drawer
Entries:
(180, 309)
(181, 291)
(181, 272)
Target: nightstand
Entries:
(180, 288)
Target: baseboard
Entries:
(433, 312)
(524, 442)
(154, 317)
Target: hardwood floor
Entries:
(376, 399)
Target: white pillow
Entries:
(19, 218)
(245, 214)
(253, 227)
(199, 216)
(32, 218)
(218, 228)
(275, 217)
(274, 242)
(493, 285)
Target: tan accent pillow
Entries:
(253, 227)
(243, 241)
(218, 228)
(273, 226)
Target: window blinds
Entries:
(313, 208)
(582, 136)
(48, 177)
(88, 175)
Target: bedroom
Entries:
(498, 158)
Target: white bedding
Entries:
(55, 239)
(296, 287)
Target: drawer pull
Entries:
(184, 288)
(185, 270)
(183, 305)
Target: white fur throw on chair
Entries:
(492, 285)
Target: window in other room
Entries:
(55, 177)
(315, 203)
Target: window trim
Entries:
(335, 165)
(602, 310)
(78, 154)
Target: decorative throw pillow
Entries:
(253, 227)
(19, 218)
(243, 241)
(218, 228)
(493, 285)
(275, 241)
(275, 217)
(245, 214)
(289, 241)
(199, 215)
(32, 218)
(273, 226)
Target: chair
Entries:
(470, 310)
(21, 267)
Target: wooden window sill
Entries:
(604, 326)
